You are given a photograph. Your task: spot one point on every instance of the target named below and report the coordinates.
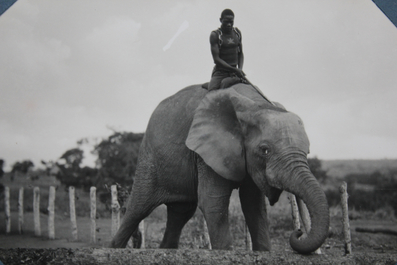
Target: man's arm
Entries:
(240, 55)
(217, 60)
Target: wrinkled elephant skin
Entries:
(201, 145)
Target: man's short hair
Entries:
(227, 12)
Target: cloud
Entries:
(113, 41)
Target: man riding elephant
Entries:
(199, 146)
(227, 52)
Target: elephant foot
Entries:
(136, 239)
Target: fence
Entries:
(297, 207)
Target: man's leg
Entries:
(229, 81)
(216, 80)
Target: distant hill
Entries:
(340, 168)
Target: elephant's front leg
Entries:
(213, 199)
(254, 208)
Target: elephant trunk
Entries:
(305, 186)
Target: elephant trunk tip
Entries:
(307, 245)
(294, 238)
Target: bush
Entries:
(84, 178)
(382, 193)
(315, 166)
(333, 197)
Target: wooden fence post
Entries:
(142, 229)
(7, 209)
(93, 214)
(345, 218)
(115, 210)
(51, 213)
(20, 211)
(73, 213)
(36, 211)
(248, 241)
(206, 235)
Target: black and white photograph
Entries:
(198, 132)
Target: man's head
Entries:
(227, 20)
(227, 12)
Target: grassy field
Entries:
(341, 168)
(192, 236)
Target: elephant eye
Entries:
(265, 150)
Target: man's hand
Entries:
(239, 72)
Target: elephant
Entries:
(200, 145)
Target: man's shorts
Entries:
(222, 79)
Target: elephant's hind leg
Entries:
(143, 200)
(138, 208)
(178, 214)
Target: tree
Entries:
(22, 167)
(71, 173)
(117, 157)
(73, 158)
(1, 167)
(316, 168)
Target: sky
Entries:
(81, 69)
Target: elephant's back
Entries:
(174, 115)
(186, 99)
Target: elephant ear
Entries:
(216, 133)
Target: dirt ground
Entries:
(368, 248)
(151, 256)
